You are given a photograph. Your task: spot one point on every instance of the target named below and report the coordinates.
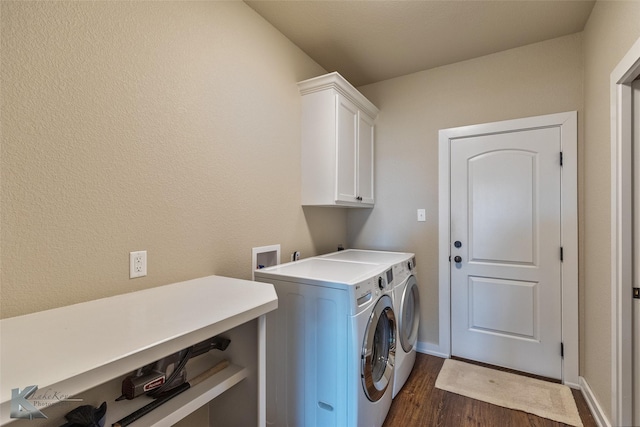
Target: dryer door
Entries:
(409, 316)
(379, 349)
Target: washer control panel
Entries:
(385, 280)
(372, 288)
(366, 290)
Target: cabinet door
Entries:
(346, 150)
(365, 159)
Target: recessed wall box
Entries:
(264, 256)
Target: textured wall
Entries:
(612, 29)
(537, 79)
(171, 127)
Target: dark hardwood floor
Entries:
(420, 403)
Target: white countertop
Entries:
(71, 349)
(361, 255)
(323, 270)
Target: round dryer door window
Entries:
(379, 349)
(409, 315)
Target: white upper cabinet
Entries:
(337, 143)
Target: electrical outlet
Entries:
(137, 264)
(422, 215)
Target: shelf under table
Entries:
(186, 402)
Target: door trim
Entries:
(569, 228)
(621, 239)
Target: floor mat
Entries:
(542, 398)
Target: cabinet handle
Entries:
(359, 198)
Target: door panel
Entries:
(506, 307)
(365, 158)
(347, 117)
(505, 211)
(506, 216)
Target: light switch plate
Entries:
(422, 215)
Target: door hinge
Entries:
(561, 254)
(561, 349)
(636, 293)
(561, 158)
(449, 258)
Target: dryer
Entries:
(330, 344)
(406, 303)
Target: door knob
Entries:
(458, 244)
(457, 258)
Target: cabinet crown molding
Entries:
(340, 84)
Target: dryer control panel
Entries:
(402, 270)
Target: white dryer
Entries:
(406, 303)
(330, 344)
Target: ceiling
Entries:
(373, 40)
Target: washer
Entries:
(406, 303)
(330, 344)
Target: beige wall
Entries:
(174, 128)
(612, 29)
(538, 79)
(171, 127)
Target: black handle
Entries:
(151, 406)
(457, 258)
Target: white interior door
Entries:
(505, 218)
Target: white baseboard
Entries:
(594, 406)
(573, 385)
(432, 349)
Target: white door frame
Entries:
(569, 228)
(621, 238)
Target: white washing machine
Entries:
(406, 303)
(330, 344)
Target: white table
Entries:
(74, 348)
